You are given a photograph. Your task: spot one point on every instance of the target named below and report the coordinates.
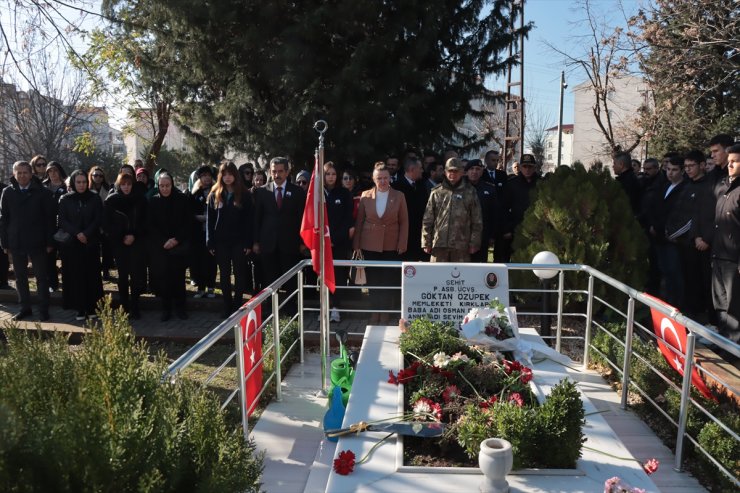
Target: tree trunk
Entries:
(163, 109)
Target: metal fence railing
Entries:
(620, 301)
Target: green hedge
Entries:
(98, 418)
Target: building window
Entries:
(549, 144)
(549, 157)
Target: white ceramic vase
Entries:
(495, 460)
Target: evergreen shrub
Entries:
(424, 338)
(584, 217)
(100, 418)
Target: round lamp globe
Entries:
(545, 258)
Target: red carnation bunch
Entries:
(345, 462)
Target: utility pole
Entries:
(514, 103)
(563, 86)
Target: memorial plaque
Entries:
(445, 292)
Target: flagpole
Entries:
(321, 127)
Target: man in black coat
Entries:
(413, 188)
(278, 210)
(26, 231)
(726, 250)
(490, 204)
(625, 175)
(518, 196)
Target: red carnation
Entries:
(489, 403)
(392, 378)
(345, 462)
(651, 466)
(526, 375)
(450, 393)
(510, 366)
(516, 398)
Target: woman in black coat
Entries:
(229, 232)
(168, 234)
(80, 215)
(339, 209)
(54, 181)
(124, 223)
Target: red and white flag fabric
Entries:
(310, 231)
(252, 355)
(674, 334)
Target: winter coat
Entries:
(167, 217)
(727, 222)
(339, 208)
(452, 218)
(664, 227)
(631, 186)
(124, 215)
(229, 224)
(27, 219)
(702, 199)
(519, 194)
(81, 213)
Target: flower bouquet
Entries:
(496, 326)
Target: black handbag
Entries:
(62, 237)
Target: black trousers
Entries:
(697, 270)
(4, 268)
(20, 267)
(274, 265)
(387, 299)
(51, 269)
(131, 272)
(726, 297)
(231, 258)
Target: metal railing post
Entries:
(300, 310)
(276, 343)
(561, 301)
(240, 378)
(688, 367)
(589, 321)
(628, 352)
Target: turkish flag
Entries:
(251, 355)
(674, 334)
(310, 231)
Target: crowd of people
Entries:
(245, 222)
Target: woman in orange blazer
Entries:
(381, 233)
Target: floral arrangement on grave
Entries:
(479, 392)
(495, 326)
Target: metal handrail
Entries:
(633, 297)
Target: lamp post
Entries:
(545, 258)
(563, 86)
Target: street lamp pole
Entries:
(563, 86)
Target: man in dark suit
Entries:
(491, 208)
(492, 173)
(278, 210)
(26, 232)
(413, 188)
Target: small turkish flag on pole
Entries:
(252, 354)
(674, 334)
(310, 230)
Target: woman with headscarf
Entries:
(229, 230)
(80, 215)
(124, 223)
(168, 235)
(54, 182)
(381, 233)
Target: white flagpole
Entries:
(319, 201)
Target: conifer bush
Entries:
(584, 217)
(99, 418)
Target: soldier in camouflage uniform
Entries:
(452, 224)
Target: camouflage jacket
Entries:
(452, 218)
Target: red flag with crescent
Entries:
(252, 355)
(674, 334)
(310, 231)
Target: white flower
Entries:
(459, 357)
(441, 360)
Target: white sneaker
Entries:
(210, 294)
(199, 294)
(334, 315)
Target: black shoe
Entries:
(5, 285)
(165, 316)
(181, 314)
(23, 314)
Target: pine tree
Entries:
(255, 75)
(584, 217)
